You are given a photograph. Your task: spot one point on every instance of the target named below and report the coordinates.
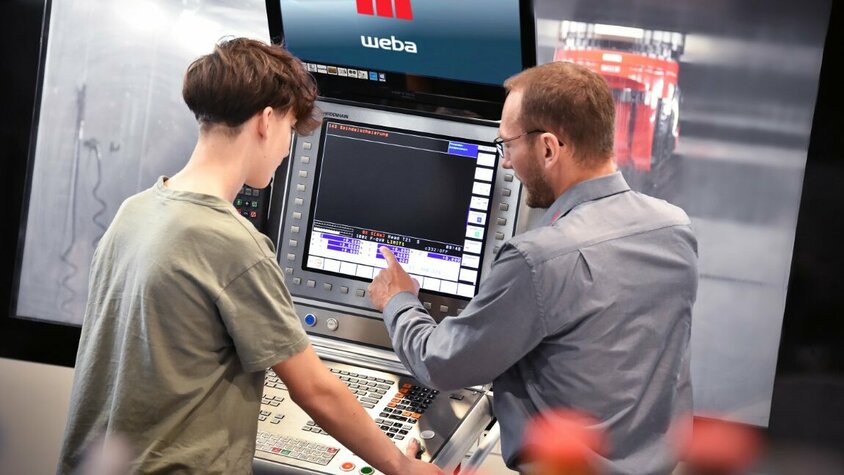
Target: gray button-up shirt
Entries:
(590, 311)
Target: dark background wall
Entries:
(808, 400)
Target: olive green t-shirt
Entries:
(186, 309)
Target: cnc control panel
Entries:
(401, 407)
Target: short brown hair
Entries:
(241, 77)
(572, 102)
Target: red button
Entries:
(347, 466)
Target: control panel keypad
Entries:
(369, 389)
(412, 400)
(294, 448)
(287, 435)
(249, 204)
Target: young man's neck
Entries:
(216, 167)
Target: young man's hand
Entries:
(390, 281)
(417, 466)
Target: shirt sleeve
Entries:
(258, 313)
(498, 327)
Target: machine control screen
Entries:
(424, 196)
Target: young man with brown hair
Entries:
(187, 306)
(591, 311)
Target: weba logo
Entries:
(384, 8)
(391, 44)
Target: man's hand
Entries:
(417, 466)
(390, 281)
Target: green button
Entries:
(285, 452)
(238, 202)
(367, 470)
(254, 204)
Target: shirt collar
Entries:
(588, 190)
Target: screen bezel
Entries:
(310, 222)
(460, 97)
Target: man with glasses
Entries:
(590, 311)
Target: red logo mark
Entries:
(385, 8)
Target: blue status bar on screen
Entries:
(463, 149)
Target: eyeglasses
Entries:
(500, 141)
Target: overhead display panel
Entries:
(422, 55)
(473, 40)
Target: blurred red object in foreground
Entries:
(720, 447)
(562, 442)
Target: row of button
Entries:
(247, 203)
(295, 448)
(397, 415)
(358, 292)
(361, 376)
(368, 396)
(249, 191)
(247, 213)
(272, 400)
(263, 415)
(349, 466)
(311, 426)
(393, 430)
(325, 286)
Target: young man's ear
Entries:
(264, 119)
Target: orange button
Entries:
(347, 466)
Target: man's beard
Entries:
(539, 191)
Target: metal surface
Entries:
(111, 121)
(485, 447)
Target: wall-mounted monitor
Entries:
(434, 53)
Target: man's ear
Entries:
(552, 149)
(264, 120)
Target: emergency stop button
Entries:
(347, 466)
